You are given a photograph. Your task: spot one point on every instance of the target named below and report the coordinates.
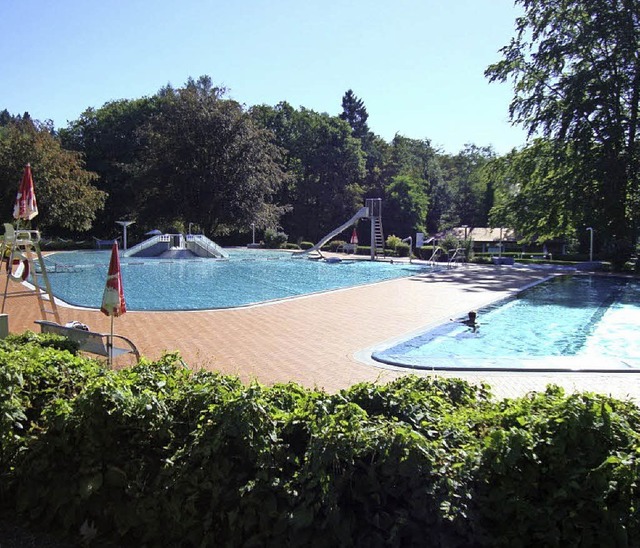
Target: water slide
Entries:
(362, 212)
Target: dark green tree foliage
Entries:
(326, 164)
(208, 163)
(576, 75)
(535, 193)
(114, 144)
(406, 205)
(468, 188)
(355, 114)
(416, 162)
(68, 202)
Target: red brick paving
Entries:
(312, 340)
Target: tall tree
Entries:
(417, 160)
(575, 67)
(67, 201)
(535, 194)
(326, 164)
(355, 114)
(208, 162)
(114, 145)
(470, 191)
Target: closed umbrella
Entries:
(354, 236)
(113, 303)
(26, 207)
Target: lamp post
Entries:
(124, 225)
(590, 229)
(410, 240)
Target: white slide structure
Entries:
(362, 212)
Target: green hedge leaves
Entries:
(158, 455)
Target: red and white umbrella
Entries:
(113, 303)
(26, 207)
(354, 236)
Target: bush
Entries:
(393, 242)
(403, 249)
(274, 239)
(158, 455)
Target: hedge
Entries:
(158, 455)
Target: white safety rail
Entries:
(210, 247)
(146, 244)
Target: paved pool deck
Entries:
(323, 340)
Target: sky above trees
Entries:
(418, 65)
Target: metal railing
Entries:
(209, 246)
(456, 256)
(434, 256)
(146, 244)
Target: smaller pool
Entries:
(582, 323)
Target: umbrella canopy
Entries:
(113, 303)
(354, 236)
(154, 232)
(26, 207)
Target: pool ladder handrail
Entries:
(456, 257)
(434, 256)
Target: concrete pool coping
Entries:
(317, 341)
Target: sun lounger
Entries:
(90, 341)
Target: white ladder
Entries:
(21, 249)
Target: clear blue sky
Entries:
(417, 64)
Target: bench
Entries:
(90, 341)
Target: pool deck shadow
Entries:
(321, 340)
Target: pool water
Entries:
(248, 277)
(571, 322)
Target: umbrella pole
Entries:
(111, 345)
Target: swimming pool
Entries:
(581, 322)
(248, 277)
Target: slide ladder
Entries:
(378, 237)
(362, 213)
(21, 250)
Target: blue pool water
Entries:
(248, 277)
(572, 322)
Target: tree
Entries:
(355, 114)
(406, 205)
(114, 145)
(417, 160)
(67, 201)
(575, 67)
(470, 192)
(326, 164)
(535, 194)
(207, 162)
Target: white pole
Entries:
(111, 345)
(590, 229)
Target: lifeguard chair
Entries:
(20, 250)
